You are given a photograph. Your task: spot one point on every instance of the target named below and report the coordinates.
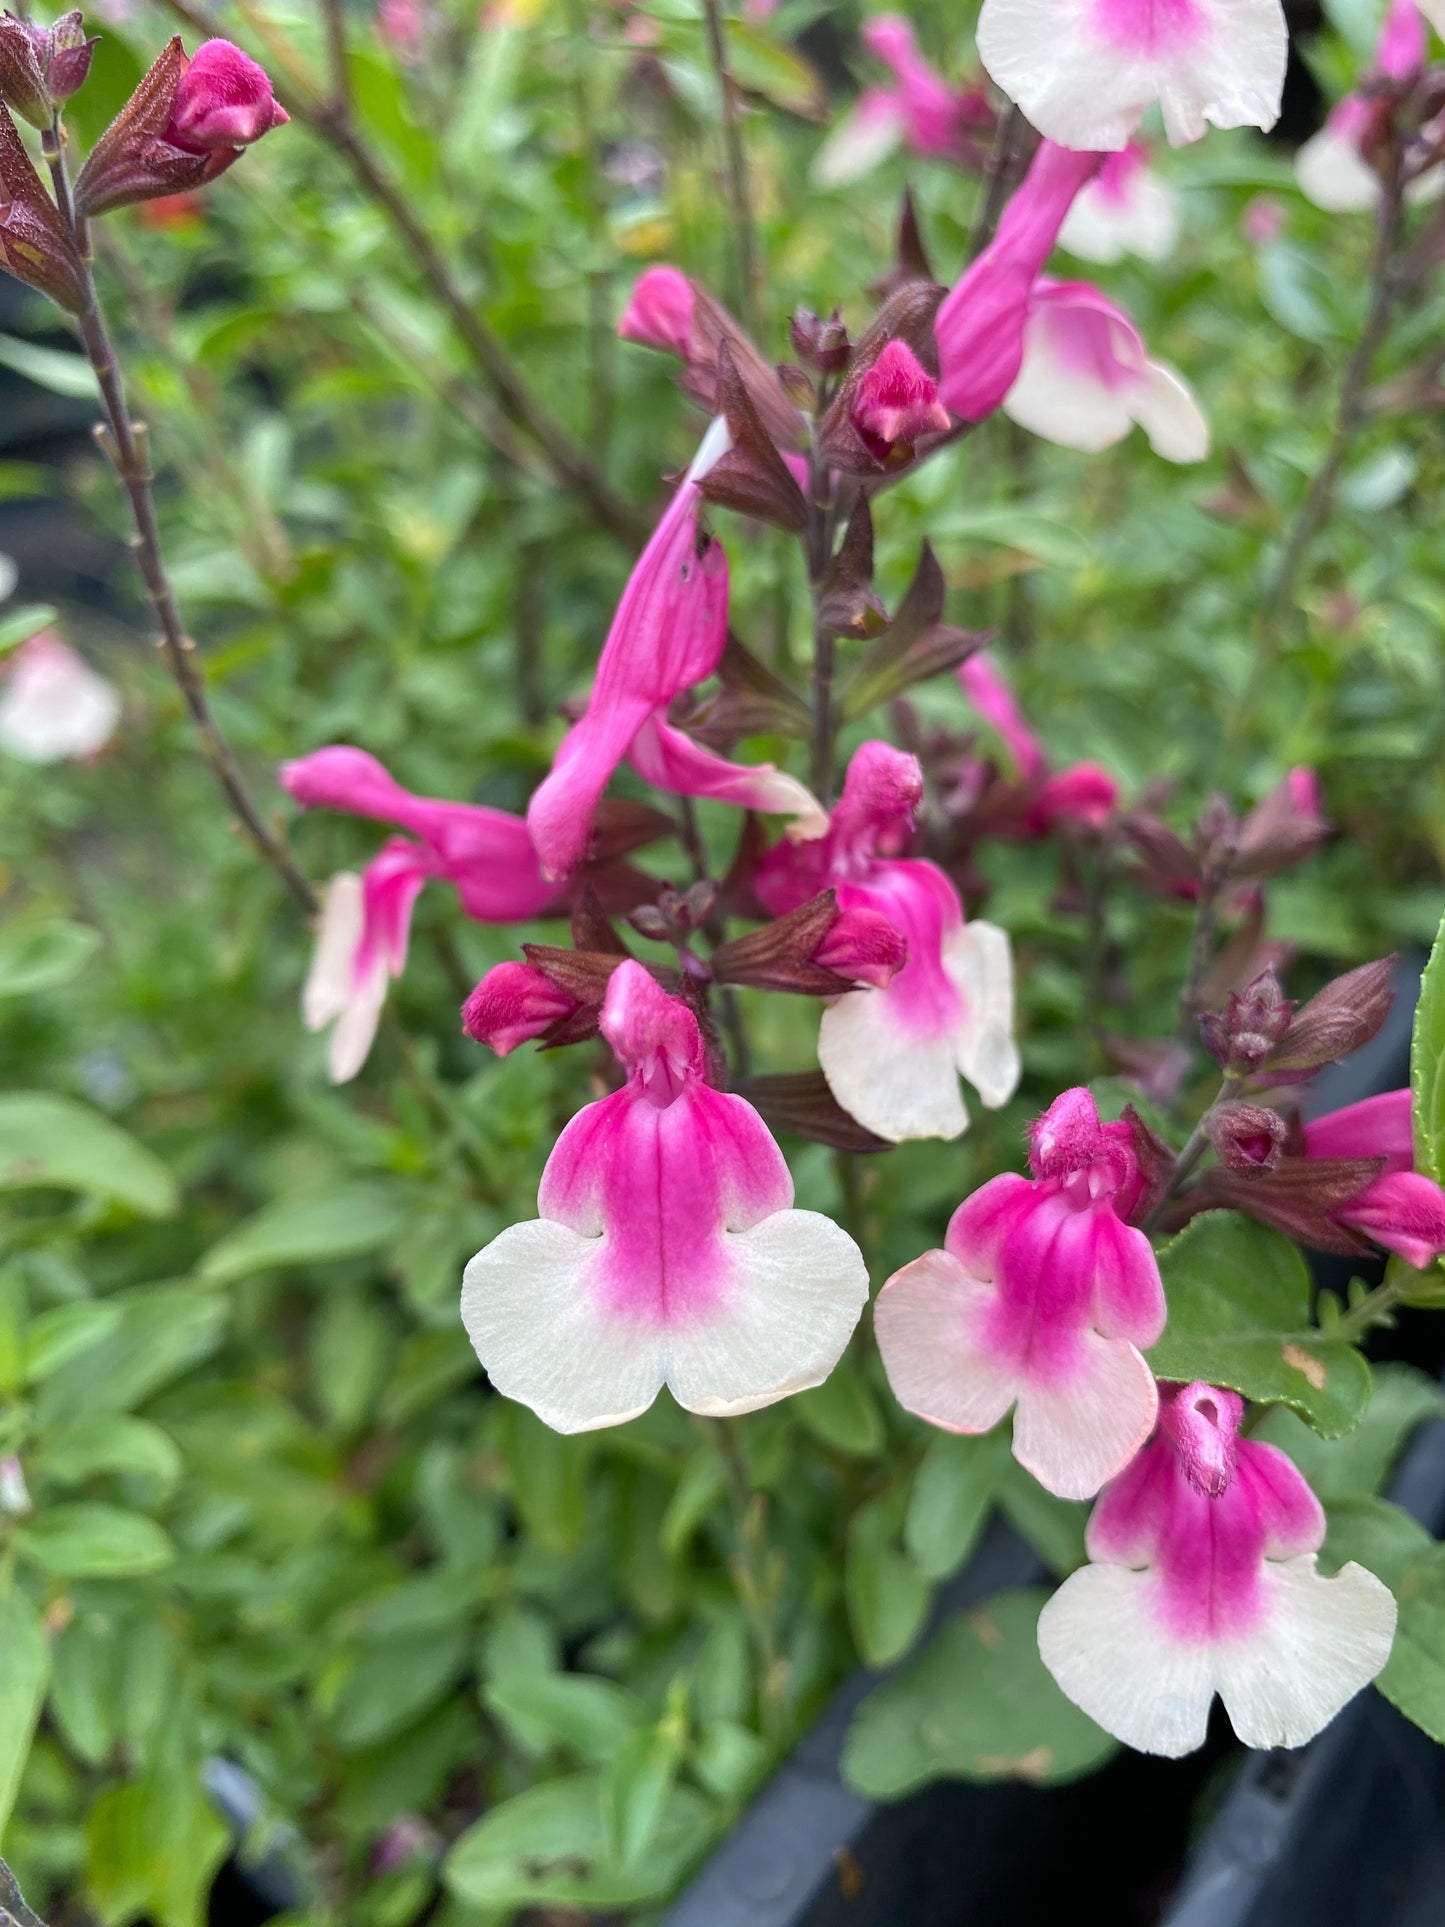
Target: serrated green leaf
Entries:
(50, 1140)
(1357, 1465)
(1239, 1316)
(976, 1704)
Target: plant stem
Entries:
(1385, 290)
(1201, 955)
(996, 181)
(126, 444)
(739, 194)
(755, 1578)
(1372, 1310)
(333, 121)
(820, 535)
(1195, 1146)
(13, 1910)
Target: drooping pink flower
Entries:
(1333, 167)
(1399, 1209)
(980, 323)
(659, 311)
(920, 110)
(1086, 75)
(485, 854)
(1084, 794)
(224, 99)
(1086, 378)
(1126, 209)
(893, 1056)
(54, 708)
(897, 403)
(1204, 1580)
(1043, 1299)
(668, 634)
(666, 1252)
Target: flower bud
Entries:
(823, 343)
(1251, 1025)
(1346, 1014)
(34, 244)
(864, 947)
(1283, 829)
(186, 123)
(22, 70)
(67, 65)
(896, 404)
(1248, 1138)
(817, 950)
(659, 313)
(511, 1005)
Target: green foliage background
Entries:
(277, 1517)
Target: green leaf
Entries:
(547, 1848)
(886, 1593)
(1357, 1465)
(164, 1331)
(700, 1488)
(110, 1442)
(57, 369)
(24, 1670)
(574, 1713)
(342, 1223)
(393, 1681)
(635, 1790)
(1054, 1527)
(547, 1482)
(843, 1413)
(85, 1541)
(39, 956)
(950, 1499)
(84, 1702)
(977, 1704)
(1239, 1316)
(763, 64)
(50, 1140)
(21, 624)
(1396, 1548)
(152, 1847)
(55, 1337)
(1427, 1065)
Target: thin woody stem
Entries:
(1000, 164)
(739, 193)
(1385, 290)
(333, 121)
(820, 537)
(125, 443)
(1194, 1149)
(13, 1910)
(755, 1577)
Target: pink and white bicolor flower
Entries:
(1086, 378)
(920, 110)
(54, 708)
(668, 634)
(1399, 1209)
(1086, 73)
(893, 1056)
(1126, 209)
(365, 922)
(1331, 167)
(1203, 1580)
(1043, 1300)
(981, 321)
(666, 1252)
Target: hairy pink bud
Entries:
(897, 403)
(224, 100)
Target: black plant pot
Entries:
(1346, 1831)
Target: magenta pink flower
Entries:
(659, 313)
(1204, 1580)
(1333, 168)
(893, 1056)
(484, 853)
(1086, 378)
(980, 324)
(897, 403)
(1125, 209)
(1085, 75)
(668, 634)
(1084, 794)
(920, 110)
(1399, 1209)
(224, 99)
(1044, 1299)
(667, 1251)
